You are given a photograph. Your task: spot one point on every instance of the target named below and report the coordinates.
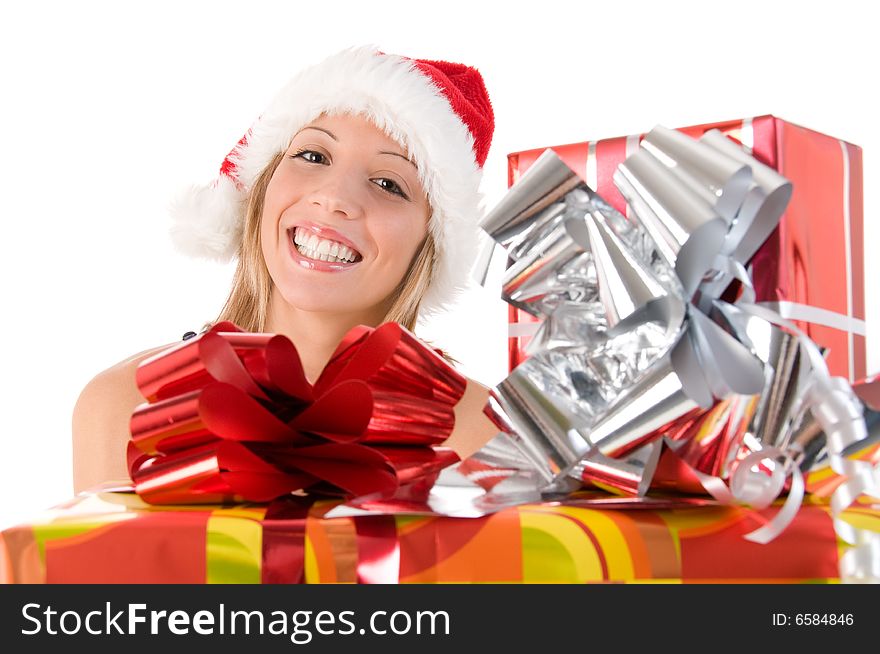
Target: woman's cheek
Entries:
(414, 231)
(404, 246)
(266, 241)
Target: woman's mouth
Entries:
(315, 248)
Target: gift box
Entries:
(813, 259)
(654, 366)
(109, 536)
(677, 352)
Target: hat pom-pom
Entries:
(207, 221)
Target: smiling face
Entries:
(343, 217)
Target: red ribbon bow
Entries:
(230, 416)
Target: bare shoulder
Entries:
(101, 423)
(473, 429)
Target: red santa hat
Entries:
(438, 111)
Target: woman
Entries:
(352, 200)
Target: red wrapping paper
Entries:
(815, 256)
(112, 537)
(231, 417)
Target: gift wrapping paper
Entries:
(815, 257)
(115, 537)
(426, 525)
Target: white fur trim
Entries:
(208, 221)
(401, 101)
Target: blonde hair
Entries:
(248, 302)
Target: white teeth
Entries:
(321, 249)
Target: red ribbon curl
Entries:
(230, 416)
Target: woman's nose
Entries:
(337, 194)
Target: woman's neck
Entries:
(315, 334)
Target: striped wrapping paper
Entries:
(113, 537)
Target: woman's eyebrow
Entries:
(397, 154)
(333, 136)
(320, 129)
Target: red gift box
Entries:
(815, 256)
(107, 536)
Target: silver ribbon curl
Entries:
(635, 332)
(839, 415)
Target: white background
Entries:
(106, 109)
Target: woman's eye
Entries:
(310, 156)
(391, 186)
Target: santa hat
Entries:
(438, 111)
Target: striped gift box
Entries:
(114, 537)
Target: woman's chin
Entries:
(326, 302)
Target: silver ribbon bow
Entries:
(636, 335)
